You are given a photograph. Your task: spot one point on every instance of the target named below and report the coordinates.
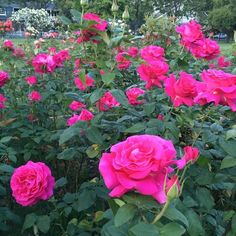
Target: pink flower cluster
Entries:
(88, 34)
(85, 115)
(216, 87)
(133, 95)
(143, 163)
(34, 96)
(3, 78)
(107, 101)
(192, 38)
(18, 52)
(47, 63)
(2, 101)
(84, 85)
(154, 70)
(31, 183)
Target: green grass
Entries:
(227, 48)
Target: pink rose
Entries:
(133, 94)
(206, 49)
(19, 52)
(101, 24)
(81, 85)
(74, 106)
(2, 101)
(107, 102)
(223, 63)
(218, 87)
(73, 120)
(141, 163)
(34, 96)
(61, 57)
(44, 63)
(31, 80)
(190, 32)
(8, 44)
(191, 154)
(160, 117)
(122, 62)
(3, 78)
(153, 74)
(181, 91)
(152, 53)
(133, 51)
(85, 115)
(31, 183)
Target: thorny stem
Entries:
(158, 217)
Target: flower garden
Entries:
(108, 133)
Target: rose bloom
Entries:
(73, 120)
(152, 53)
(3, 78)
(217, 87)
(141, 163)
(2, 101)
(85, 115)
(31, 183)
(74, 106)
(101, 24)
(34, 96)
(222, 62)
(44, 63)
(190, 32)
(153, 74)
(61, 57)
(122, 62)
(8, 44)
(160, 117)
(133, 51)
(19, 52)
(190, 156)
(181, 91)
(133, 94)
(107, 102)
(81, 85)
(86, 35)
(31, 80)
(205, 48)
(52, 50)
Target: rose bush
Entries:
(141, 110)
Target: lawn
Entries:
(227, 48)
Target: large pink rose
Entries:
(31, 183)
(44, 63)
(190, 32)
(152, 53)
(107, 101)
(205, 48)
(133, 95)
(218, 87)
(183, 90)
(141, 163)
(153, 73)
(3, 78)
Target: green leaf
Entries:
(94, 135)
(5, 139)
(205, 199)
(120, 97)
(108, 78)
(195, 227)
(173, 214)
(92, 152)
(61, 182)
(231, 134)
(124, 214)
(233, 224)
(68, 134)
(149, 108)
(86, 200)
(65, 20)
(172, 229)
(96, 95)
(76, 15)
(6, 168)
(228, 162)
(67, 154)
(136, 128)
(30, 219)
(228, 215)
(229, 146)
(143, 229)
(43, 223)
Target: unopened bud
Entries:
(84, 2)
(114, 7)
(173, 188)
(125, 14)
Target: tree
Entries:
(223, 16)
